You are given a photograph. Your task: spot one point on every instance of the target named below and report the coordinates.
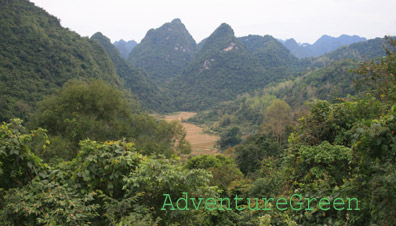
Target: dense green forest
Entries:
(302, 141)
(38, 55)
(333, 83)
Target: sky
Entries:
(303, 20)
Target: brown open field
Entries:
(201, 143)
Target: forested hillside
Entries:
(361, 51)
(137, 82)
(222, 69)
(37, 56)
(164, 52)
(247, 112)
(269, 51)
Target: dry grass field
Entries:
(201, 143)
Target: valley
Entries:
(201, 143)
(98, 133)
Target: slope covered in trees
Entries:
(270, 52)
(164, 52)
(221, 69)
(148, 92)
(361, 51)
(37, 56)
(97, 111)
(247, 112)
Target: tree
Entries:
(223, 169)
(380, 75)
(230, 138)
(250, 153)
(107, 183)
(277, 117)
(101, 112)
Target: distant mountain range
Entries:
(124, 47)
(223, 66)
(323, 45)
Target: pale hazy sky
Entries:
(304, 20)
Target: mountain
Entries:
(221, 69)
(246, 112)
(296, 49)
(164, 52)
(124, 48)
(200, 44)
(323, 45)
(37, 56)
(330, 82)
(133, 79)
(270, 52)
(360, 51)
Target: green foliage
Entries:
(107, 183)
(98, 111)
(45, 202)
(18, 165)
(329, 83)
(250, 153)
(37, 56)
(374, 147)
(330, 122)
(230, 138)
(269, 178)
(156, 177)
(277, 118)
(96, 165)
(324, 166)
(246, 112)
(379, 77)
(223, 169)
